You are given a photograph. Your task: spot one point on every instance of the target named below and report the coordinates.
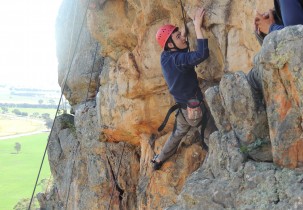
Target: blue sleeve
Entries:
(292, 14)
(275, 27)
(190, 59)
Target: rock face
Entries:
(78, 54)
(281, 61)
(100, 156)
(234, 108)
(226, 181)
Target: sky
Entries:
(27, 43)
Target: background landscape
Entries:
(29, 95)
(26, 117)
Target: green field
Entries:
(18, 172)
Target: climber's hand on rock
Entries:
(199, 16)
(264, 21)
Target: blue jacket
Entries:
(291, 12)
(179, 71)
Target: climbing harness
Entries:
(171, 110)
(203, 122)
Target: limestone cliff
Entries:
(109, 62)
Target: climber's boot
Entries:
(157, 165)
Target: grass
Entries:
(18, 172)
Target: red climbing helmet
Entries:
(163, 34)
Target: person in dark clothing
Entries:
(286, 13)
(178, 67)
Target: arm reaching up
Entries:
(198, 22)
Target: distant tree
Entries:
(45, 184)
(40, 101)
(24, 203)
(4, 110)
(16, 111)
(52, 101)
(17, 147)
(45, 115)
(49, 123)
(35, 114)
(64, 106)
(24, 114)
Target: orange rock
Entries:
(293, 156)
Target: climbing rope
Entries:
(58, 106)
(44, 155)
(64, 100)
(184, 22)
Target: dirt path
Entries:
(20, 135)
(13, 126)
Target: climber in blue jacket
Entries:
(286, 13)
(178, 67)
